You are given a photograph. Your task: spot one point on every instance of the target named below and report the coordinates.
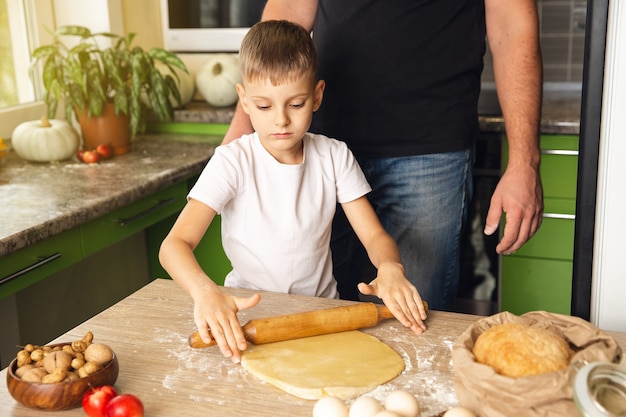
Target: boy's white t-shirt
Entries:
(276, 218)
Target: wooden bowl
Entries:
(62, 395)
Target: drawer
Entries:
(559, 166)
(36, 262)
(529, 284)
(555, 237)
(135, 217)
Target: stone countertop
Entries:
(560, 115)
(40, 200)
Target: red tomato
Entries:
(91, 157)
(126, 405)
(96, 400)
(105, 151)
(79, 154)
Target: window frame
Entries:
(34, 14)
(40, 17)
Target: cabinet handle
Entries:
(559, 152)
(41, 262)
(559, 216)
(146, 212)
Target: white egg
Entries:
(403, 404)
(365, 407)
(330, 407)
(459, 412)
(386, 413)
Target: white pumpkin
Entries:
(45, 140)
(217, 78)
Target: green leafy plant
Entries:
(87, 76)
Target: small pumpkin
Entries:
(217, 78)
(45, 140)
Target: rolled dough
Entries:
(343, 365)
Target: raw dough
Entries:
(344, 365)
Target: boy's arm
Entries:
(213, 309)
(390, 284)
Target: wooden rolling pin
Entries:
(310, 323)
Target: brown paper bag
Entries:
(489, 394)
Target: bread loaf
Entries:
(518, 350)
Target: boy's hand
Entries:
(217, 312)
(399, 295)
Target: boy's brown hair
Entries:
(277, 50)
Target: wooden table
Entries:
(148, 331)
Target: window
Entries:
(8, 82)
(19, 22)
(26, 24)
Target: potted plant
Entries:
(104, 75)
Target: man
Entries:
(402, 85)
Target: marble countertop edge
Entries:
(48, 199)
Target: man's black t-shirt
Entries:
(402, 76)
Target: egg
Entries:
(330, 407)
(403, 403)
(459, 412)
(365, 407)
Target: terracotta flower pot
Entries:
(108, 129)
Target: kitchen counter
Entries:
(148, 331)
(560, 113)
(40, 200)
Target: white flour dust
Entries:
(191, 364)
(428, 372)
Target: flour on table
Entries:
(432, 387)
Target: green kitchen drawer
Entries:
(123, 222)
(559, 165)
(555, 237)
(34, 263)
(529, 284)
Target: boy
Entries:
(277, 191)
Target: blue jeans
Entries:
(422, 203)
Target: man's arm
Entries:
(299, 11)
(513, 35)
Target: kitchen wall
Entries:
(562, 41)
(143, 17)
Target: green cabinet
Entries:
(539, 275)
(34, 263)
(121, 223)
